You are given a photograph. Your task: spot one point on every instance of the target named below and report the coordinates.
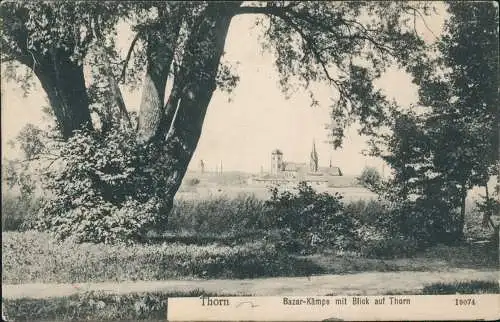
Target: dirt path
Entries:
(369, 283)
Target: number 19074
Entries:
(465, 302)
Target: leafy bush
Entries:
(35, 257)
(474, 227)
(426, 221)
(374, 213)
(18, 212)
(218, 215)
(370, 177)
(100, 190)
(388, 247)
(393, 229)
(309, 220)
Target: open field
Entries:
(261, 192)
(233, 184)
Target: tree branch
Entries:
(129, 54)
(117, 93)
(276, 11)
(318, 24)
(317, 55)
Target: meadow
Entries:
(218, 237)
(221, 237)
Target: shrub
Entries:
(389, 247)
(218, 215)
(373, 213)
(101, 190)
(370, 177)
(18, 212)
(310, 221)
(474, 228)
(426, 221)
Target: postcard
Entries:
(250, 161)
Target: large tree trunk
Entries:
(64, 83)
(461, 218)
(160, 49)
(184, 113)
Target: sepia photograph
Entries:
(197, 160)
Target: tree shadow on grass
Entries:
(466, 255)
(193, 238)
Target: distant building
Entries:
(276, 161)
(288, 172)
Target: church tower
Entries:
(276, 161)
(313, 162)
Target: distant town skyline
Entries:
(259, 118)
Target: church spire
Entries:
(314, 158)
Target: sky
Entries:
(241, 133)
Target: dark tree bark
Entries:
(61, 78)
(192, 91)
(461, 218)
(64, 83)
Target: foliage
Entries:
(309, 220)
(474, 226)
(370, 177)
(369, 212)
(410, 224)
(385, 230)
(462, 287)
(389, 247)
(218, 215)
(312, 40)
(100, 190)
(489, 206)
(449, 145)
(329, 42)
(18, 213)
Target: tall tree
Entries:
(347, 45)
(463, 94)
(451, 145)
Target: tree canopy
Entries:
(345, 44)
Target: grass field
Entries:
(214, 238)
(34, 257)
